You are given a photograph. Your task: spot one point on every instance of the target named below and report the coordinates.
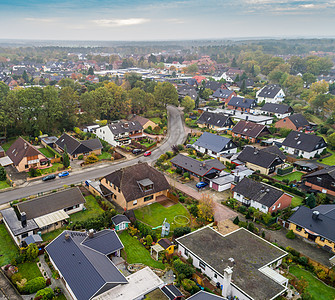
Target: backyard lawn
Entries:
(4, 184)
(156, 120)
(291, 176)
(6, 146)
(92, 210)
(296, 201)
(317, 289)
(8, 249)
(47, 152)
(29, 270)
(330, 161)
(52, 234)
(136, 253)
(154, 214)
(105, 155)
(54, 168)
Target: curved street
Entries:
(176, 135)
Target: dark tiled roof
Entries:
(248, 128)
(242, 102)
(213, 85)
(92, 144)
(188, 91)
(213, 142)
(119, 219)
(326, 171)
(250, 253)
(303, 141)
(202, 295)
(139, 119)
(270, 91)
(20, 149)
(171, 291)
(222, 93)
(73, 146)
(84, 269)
(165, 243)
(200, 168)
(298, 120)
(50, 203)
(322, 225)
(258, 157)
(275, 150)
(214, 119)
(123, 127)
(248, 82)
(127, 180)
(277, 108)
(327, 210)
(262, 193)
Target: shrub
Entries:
(46, 293)
(81, 157)
(190, 286)
(242, 209)
(17, 277)
(194, 210)
(290, 235)
(251, 227)
(182, 268)
(149, 240)
(236, 220)
(186, 175)
(34, 285)
(91, 159)
(180, 231)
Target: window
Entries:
(215, 275)
(202, 265)
(24, 235)
(298, 228)
(263, 207)
(322, 239)
(148, 198)
(186, 252)
(135, 202)
(26, 166)
(279, 205)
(318, 179)
(273, 207)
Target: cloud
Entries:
(41, 20)
(120, 22)
(175, 21)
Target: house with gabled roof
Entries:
(321, 180)
(263, 160)
(185, 90)
(145, 122)
(241, 104)
(260, 196)
(279, 110)
(250, 131)
(223, 95)
(303, 144)
(271, 93)
(25, 156)
(294, 122)
(76, 148)
(214, 145)
(135, 186)
(215, 121)
(240, 262)
(214, 85)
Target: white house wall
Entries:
(304, 154)
(106, 135)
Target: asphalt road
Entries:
(176, 135)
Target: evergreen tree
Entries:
(2, 173)
(197, 102)
(90, 71)
(243, 87)
(310, 201)
(66, 158)
(25, 76)
(237, 79)
(233, 63)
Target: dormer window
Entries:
(146, 185)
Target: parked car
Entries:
(64, 174)
(49, 177)
(201, 184)
(147, 153)
(137, 151)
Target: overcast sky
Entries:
(164, 20)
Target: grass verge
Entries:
(92, 210)
(8, 249)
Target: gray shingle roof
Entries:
(123, 127)
(303, 141)
(84, 269)
(74, 146)
(93, 144)
(270, 91)
(328, 170)
(323, 225)
(218, 120)
(250, 129)
(171, 291)
(262, 193)
(298, 120)
(214, 142)
(202, 295)
(242, 102)
(200, 168)
(222, 93)
(277, 108)
(118, 219)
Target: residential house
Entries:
(214, 145)
(215, 121)
(214, 85)
(190, 91)
(322, 180)
(135, 186)
(223, 95)
(294, 122)
(121, 222)
(315, 225)
(143, 121)
(260, 196)
(279, 110)
(305, 166)
(202, 295)
(25, 156)
(120, 133)
(2, 152)
(263, 160)
(197, 169)
(241, 104)
(76, 148)
(42, 214)
(231, 74)
(248, 83)
(240, 262)
(199, 79)
(49, 141)
(304, 145)
(250, 131)
(272, 93)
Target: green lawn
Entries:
(330, 161)
(105, 155)
(291, 176)
(6, 146)
(92, 210)
(61, 297)
(47, 152)
(29, 270)
(156, 120)
(52, 234)
(155, 214)
(136, 253)
(8, 249)
(55, 167)
(296, 201)
(317, 289)
(194, 139)
(4, 184)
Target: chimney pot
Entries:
(23, 219)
